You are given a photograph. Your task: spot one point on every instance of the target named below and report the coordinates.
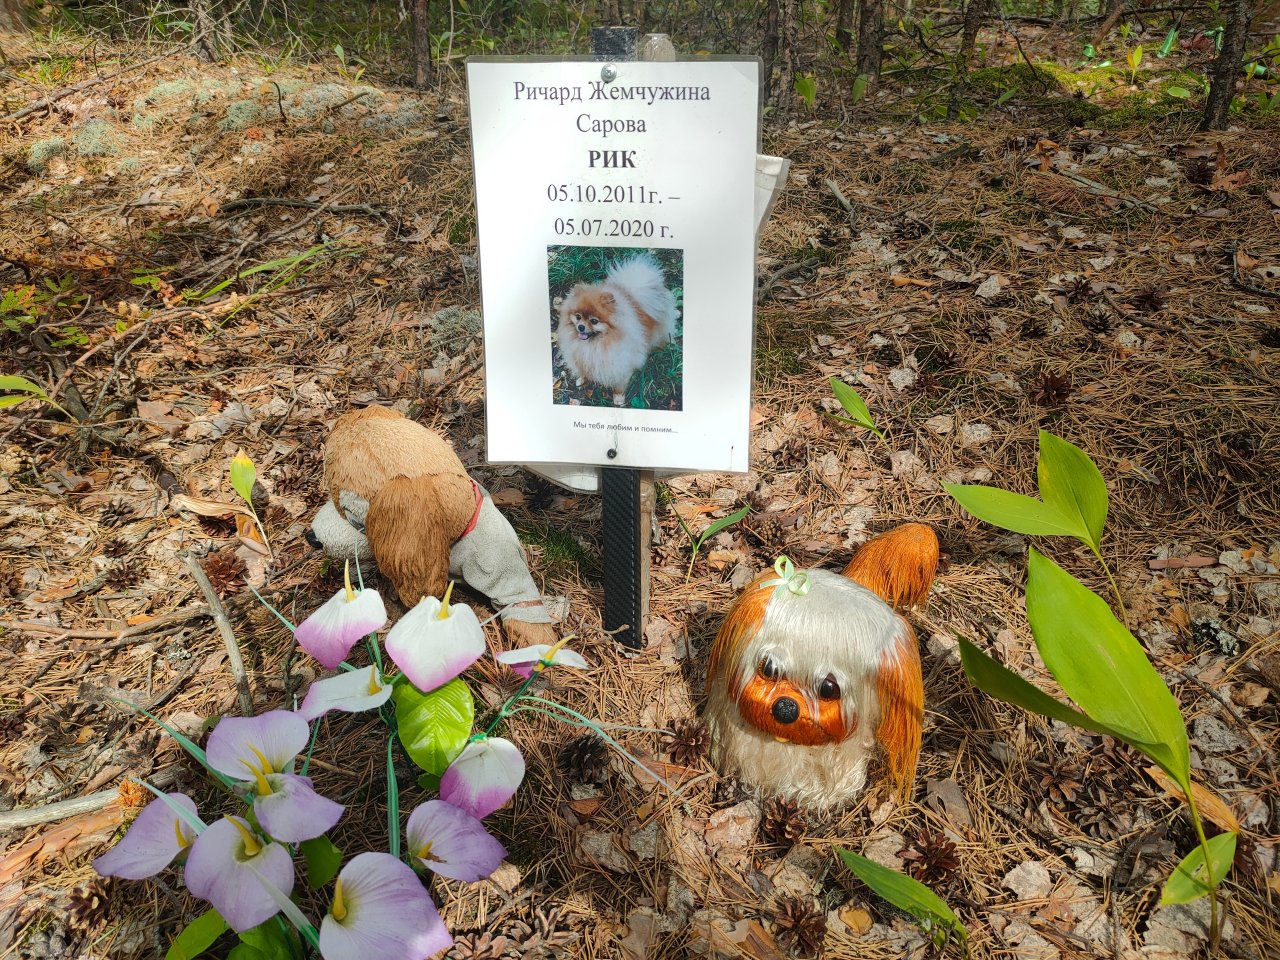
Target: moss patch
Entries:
(42, 151)
(240, 113)
(96, 138)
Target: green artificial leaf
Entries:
(853, 404)
(904, 892)
(1072, 484)
(1013, 511)
(323, 860)
(197, 936)
(718, 525)
(429, 782)
(269, 940)
(1189, 880)
(1170, 39)
(434, 726)
(1179, 93)
(243, 475)
(1100, 666)
(393, 801)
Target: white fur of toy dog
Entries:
(838, 628)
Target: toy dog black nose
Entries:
(311, 538)
(786, 710)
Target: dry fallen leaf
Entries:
(1211, 806)
(898, 280)
(1274, 197)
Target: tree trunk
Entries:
(870, 41)
(769, 50)
(12, 17)
(974, 14)
(1226, 68)
(212, 36)
(421, 27)
(784, 94)
(844, 17)
(1115, 10)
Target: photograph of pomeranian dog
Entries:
(616, 326)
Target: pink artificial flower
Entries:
(230, 867)
(451, 842)
(153, 840)
(435, 641)
(530, 660)
(381, 910)
(331, 632)
(351, 691)
(483, 777)
(260, 751)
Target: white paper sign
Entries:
(616, 219)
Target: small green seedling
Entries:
(853, 405)
(715, 527)
(1073, 501)
(1134, 57)
(243, 476)
(938, 920)
(349, 68)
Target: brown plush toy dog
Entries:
(399, 495)
(811, 670)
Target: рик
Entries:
(611, 158)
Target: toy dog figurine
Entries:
(399, 495)
(811, 669)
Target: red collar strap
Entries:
(475, 514)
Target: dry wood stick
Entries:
(234, 661)
(34, 816)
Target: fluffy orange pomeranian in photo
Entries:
(608, 329)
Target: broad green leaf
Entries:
(243, 474)
(1072, 484)
(1135, 57)
(1013, 511)
(197, 936)
(1100, 666)
(1189, 880)
(1170, 39)
(323, 860)
(22, 385)
(903, 892)
(859, 88)
(434, 726)
(853, 403)
(1180, 93)
(723, 522)
(807, 88)
(269, 940)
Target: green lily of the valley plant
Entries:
(908, 894)
(1101, 666)
(243, 476)
(1073, 501)
(15, 390)
(715, 527)
(853, 405)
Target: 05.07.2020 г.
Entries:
(599, 227)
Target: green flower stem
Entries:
(1215, 933)
(279, 616)
(1124, 615)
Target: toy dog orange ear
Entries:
(900, 690)
(742, 623)
(897, 565)
(410, 529)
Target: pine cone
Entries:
(1150, 299)
(585, 759)
(1033, 328)
(688, 741)
(1099, 319)
(479, 946)
(1097, 815)
(931, 858)
(541, 939)
(801, 927)
(782, 822)
(225, 572)
(1052, 389)
(88, 906)
(116, 547)
(1061, 779)
(728, 792)
(117, 513)
(123, 576)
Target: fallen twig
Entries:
(309, 204)
(234, 661)
(62, 809)
(46, 102)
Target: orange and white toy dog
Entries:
(812, 669)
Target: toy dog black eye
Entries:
(829, 689)
(768, 669)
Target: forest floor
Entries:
(1087, 265)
